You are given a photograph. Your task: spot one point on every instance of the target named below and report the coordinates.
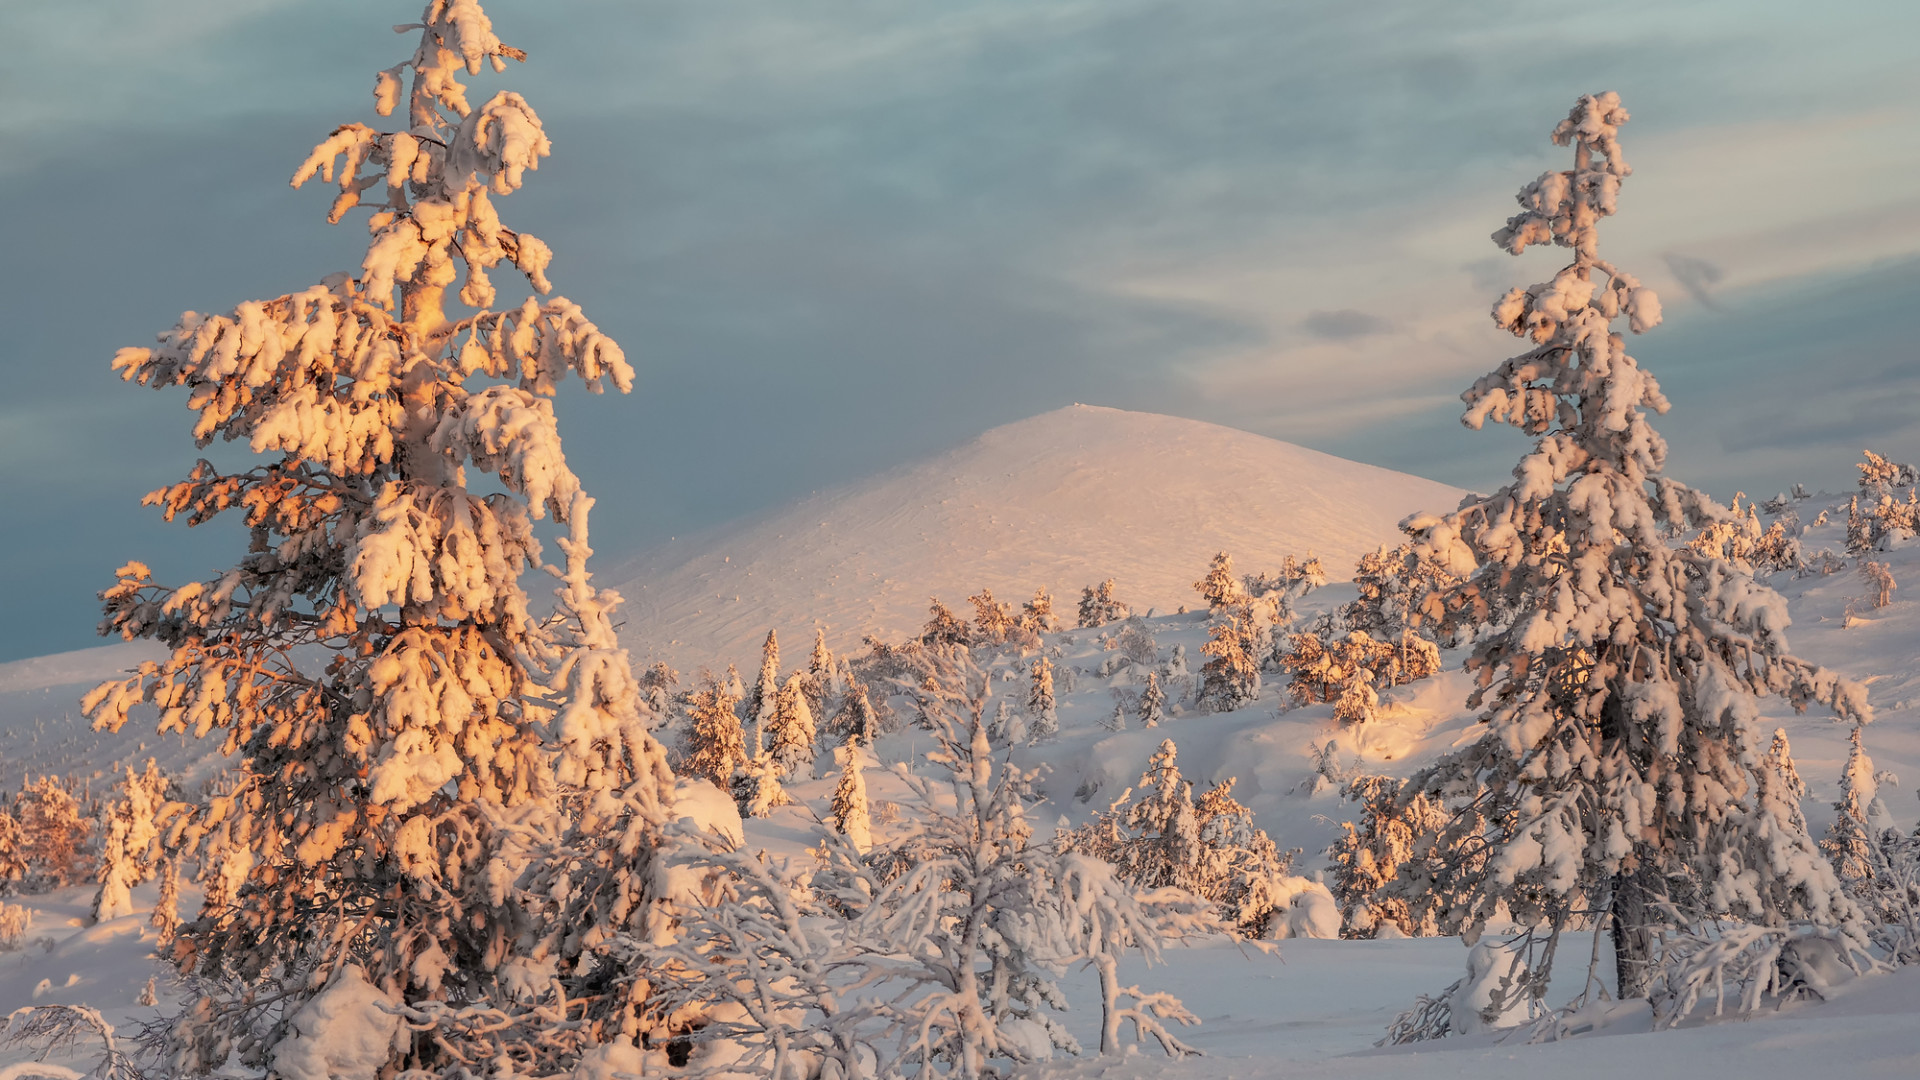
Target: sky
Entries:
(832, 235)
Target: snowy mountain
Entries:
(1062, 501)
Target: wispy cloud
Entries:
(837, 233)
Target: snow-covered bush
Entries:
(1036, 615)
(943, 963)
(1616, 774)
(1294, 579)
(15, 921)
(1879, 578)
(1401, 588)
(53, 834)
(1209, 846)
(1393, 845)
(1345, 670)
(129, 850)
(1740, 966)
(394, 708)
(1740, 539)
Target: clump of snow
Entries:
(345, 1032)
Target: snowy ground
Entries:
(1314, 1009)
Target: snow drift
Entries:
(1061, 500)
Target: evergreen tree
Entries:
(1849, 842)
(791, 734)
(1230, 679)
(1037, 614)
(766, 690)
(1098, 606)
(1617, 772)
(129, 848)
(992, 620)
(1153, 701)
(365, 833)
(857, 719)
(944, 629)
(1043, 721)
(716, 744)
(851, 815)
(823, 674)
(1219, 588)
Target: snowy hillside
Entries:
(1061, 500)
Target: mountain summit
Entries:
(1061, 500)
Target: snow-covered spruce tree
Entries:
(1230, 678)
(444, 708)
(852, 817)
(766, 692)
(824, 675)
(129, 848)
(857, 718)
(1219, 588)
(1043, 719)
(944, 629)
(1858, 820)
(1618, 770)
(1153, 702)
(716, 744)
(992, 619)
(1098, 606)
(791, 734)
(1036, 614)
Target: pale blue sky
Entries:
(835, 234)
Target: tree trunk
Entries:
(1109, 1004)
(1632, 914)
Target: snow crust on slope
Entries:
(1062, 500)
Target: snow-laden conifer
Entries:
(1098, 606)
(716, 744)
(1043, 718)
(1230, 678)
(857, 718)
(851, 814)
(1037, 615)
(130, 845)
(1219, 588)
(1153, 701)
(766, 690)
(945, 964)
(944, 629)
(1210, 846)
(1618, 770)
(1858, 819)
(791, 733)
(375, 792)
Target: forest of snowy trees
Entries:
(457, 833)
